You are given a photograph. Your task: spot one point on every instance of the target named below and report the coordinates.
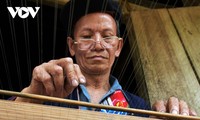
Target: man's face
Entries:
(97, 59)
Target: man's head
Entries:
(95, 44)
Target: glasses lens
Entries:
(85, 43)
(109, 42)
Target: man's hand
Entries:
(174, 106)
(56, 78)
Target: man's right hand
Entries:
(57, 78)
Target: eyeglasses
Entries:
(88, 43)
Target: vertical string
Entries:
(129, 83)
(124, 35)
(38, 36)
(70, 18)
(55, 26)
(134, 52)
(40, 40)
(27, 44)
(5, 62)
(14, 45)
(186, 1)
(192, 3)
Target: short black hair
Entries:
(75, 9)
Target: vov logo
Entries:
(23, 12)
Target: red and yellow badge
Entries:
(118, 99)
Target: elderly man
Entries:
(95, 44)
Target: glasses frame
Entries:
(99, 41)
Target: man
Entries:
(94, 43)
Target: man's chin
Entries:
(98, 69)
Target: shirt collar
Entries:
(114, 86)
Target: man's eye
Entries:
(87, 37)
(107, 38)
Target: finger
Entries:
(57, 77)
(159, 106)
(79, 74)
(42, 76)
(192, 112)
(165, 102)
(183, 107)
(173, 105)
(68, 67)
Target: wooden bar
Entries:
(191, 3)
(10, 110)
(53, 3)
(146, 4)
(165, 66)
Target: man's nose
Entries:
(98, 44)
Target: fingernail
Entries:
(174, 111)
(163, 111)
(82, 80)
(185, 113)
(74, 82)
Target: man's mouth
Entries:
(97, 57)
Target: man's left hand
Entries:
(173, 105)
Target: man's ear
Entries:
(119, 48)
(70, 43)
